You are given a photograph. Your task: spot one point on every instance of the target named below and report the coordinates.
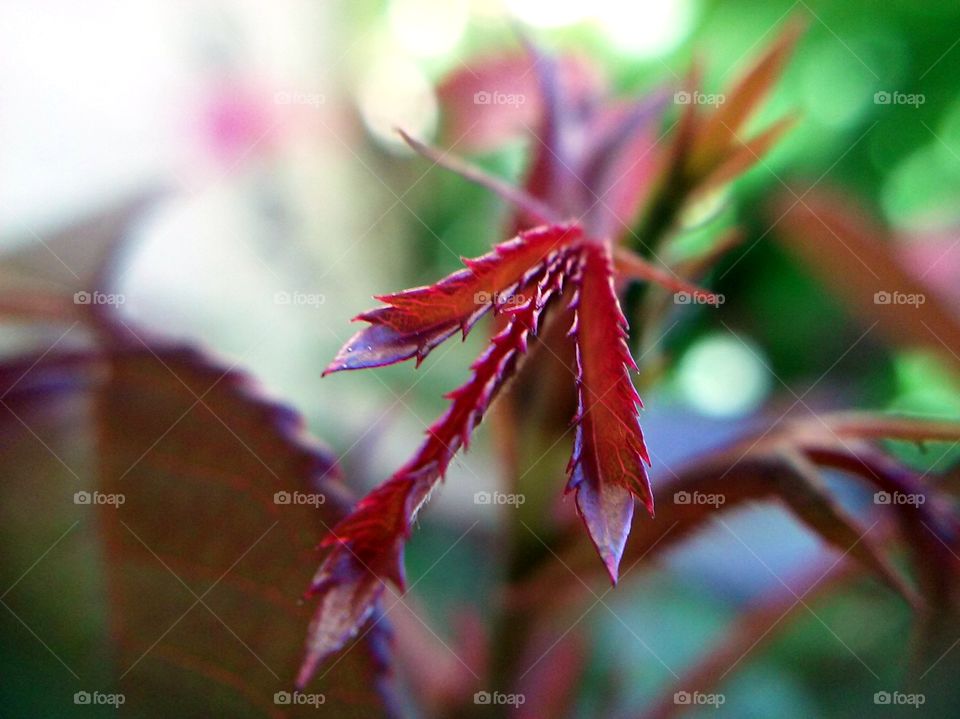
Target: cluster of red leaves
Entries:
(163, 422)
(595, 165)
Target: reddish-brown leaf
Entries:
(366, 548)
(719, 129)
(755, 469)
(855, 257)
(417, 320)
(744, 154)
(620, 169)
(200, 570)
(607, 467)
(493, 99)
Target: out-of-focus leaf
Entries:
(451, 678)
(630, 265)
(754, 469)
(539, 212)
(489, 100)
(929, 526)
(745, 154)
(556, 670)
(719, 130)
(206, 554)
(620, 171)
(758, 625)
(934, 257)
(807, 495)
(39, 279)
(707, 147)
(857, 260)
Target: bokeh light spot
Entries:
(395, 93)
(722, 376)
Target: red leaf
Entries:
(606, 468)
(417, 320)
(621, 168)
(475, 122)
(367, 545)
(551, 176)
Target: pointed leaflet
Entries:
(631, 265)
(718, 130)
(755, 469)
(475, 122)
(745, 154)
(550, 176)
(417, 320)
(520, 200)
(606, 468)
(367, 546)
(620, 168)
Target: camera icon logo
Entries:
(681, 497)
(882, 97)
(82, 298)
(282, 698)
(82, 698)
(882, 498)
(482, 698)
(881, 698)
(82, 498)
(682, 97)
(482, 498)
(482, 97)
(882, 298)
(282, 497)
(681, 697)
